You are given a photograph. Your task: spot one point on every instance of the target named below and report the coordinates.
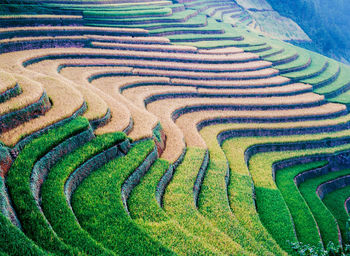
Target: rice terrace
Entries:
(159, 127)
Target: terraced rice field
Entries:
(158, 128)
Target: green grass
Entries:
(179, 205)
(343, 79)
(260, 169)
(304, 222)
(14, 242)
(273, 51)
(198, 20)
(281, 56)
(272, 215)
(317, 64)
(203, 44)
(301, 61)
(272, 209)
(239, 188)
(203, 37)
(258, 48)
(335, 203)
(323, 216)
(54, 202)
(142, 202)
(34, 223)
(214, 205)
(343, 98)
(173, 18)
(139, 7)
(331, 70)
(127, 13)
(145, 210)
(99, 209)
(73, 5)
(211, 26)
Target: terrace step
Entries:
(40, 20)
(45, 164)
(225, 50)
(312, 70)
(203, 37)
(243, 84)
(114, 184)
(306, 228)
(117, 118)
(283, 57)
(179, 204)
(14, 242)
(69, 173)
(257, 164)
(6, 208)
(97, 112)
(328, 225)
(129, 13)
(301, 63)
(145, 210)
(335, 142)
(11, 32)
(192, 22)
(210, 27)
(130, 39)
(143, 122)
(143, 47)
(274, 51)
(31, 103)
(8, 86)
(176, 17)
(110, 65)
(34, 223)
(237, 149)
(215, 186)
(338, 86)
(284, 90)
(337, 203)
(40, 42)
(258, 49)
(327, 77)
(62, 108)
(243, 75)
(137, 55)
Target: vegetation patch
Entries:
(54, 201)
(305, 226)
(335, 202)
(99, 207)
(34, 223)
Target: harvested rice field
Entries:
(150, 127)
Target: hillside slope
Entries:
(325, 22)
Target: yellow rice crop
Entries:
(144, 122)
(289, 88)
(66, 101)
(31, 93)
(7, 81)
(147, 47)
